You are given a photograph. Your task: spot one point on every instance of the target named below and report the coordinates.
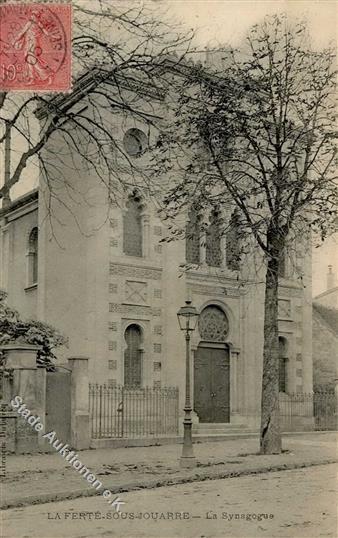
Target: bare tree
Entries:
(259, 134)
(117, 46)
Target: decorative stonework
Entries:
(213, 324)
(299, 357)
(201, 289)
(113, 288)
(157, 230)
(112, 326)
(157, 366)
(135, 271)
(299, 372)
(157, 294)
(134, 310)
(113, 242)
(157, 384)
(157, 348)
(299, 311)
(290, 292)
(112, 346)
(112, 383)
(284, 308)
(158, 249)
(135, 292)
(158, 329)
(113, 223)
(112, 364)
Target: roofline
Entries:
(23, 200)
(324, 293)
(91, 79)
(322, 319)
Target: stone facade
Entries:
(89, 289)
(115, 292)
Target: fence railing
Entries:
(313, 411)
(119, 411)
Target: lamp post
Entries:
(187, 318)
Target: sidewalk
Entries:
(39, 478)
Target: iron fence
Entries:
(119, 411)
(308, 411)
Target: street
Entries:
(295, 504)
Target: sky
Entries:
(219, 22)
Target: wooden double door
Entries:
(212, 383)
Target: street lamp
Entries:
(187, 318)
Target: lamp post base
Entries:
(187, 462)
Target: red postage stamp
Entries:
(35, 47)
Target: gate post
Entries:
(29, 384)
(79, 420)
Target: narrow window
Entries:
(133, 357)
(33, 257)
(282, 264)
(192, 238)
(132, 228)
(213, 254)
(233, 245)
(283, 360)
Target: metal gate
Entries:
(58, 404)
(120, 411)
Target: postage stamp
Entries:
(35, 47)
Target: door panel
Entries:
(203, 385)
(212, 384)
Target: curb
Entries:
(201, 476)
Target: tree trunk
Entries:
(270, 437)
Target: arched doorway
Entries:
(133, 357)
(212, 367)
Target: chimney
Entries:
(330, 279)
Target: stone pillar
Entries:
(234, 381)
(80, 433)
(29, 384)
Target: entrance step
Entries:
(219, 429)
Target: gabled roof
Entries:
(325, 293)
(89, 80)
(328, 315)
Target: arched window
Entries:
(192, 238)
(33, 257)
(233, 245)
(133, 357)
(132, 228)
(213, 324)
(283, 360)
(213, 255)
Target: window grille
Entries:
(132, 357)
(192, 241)
(132, 229)
(213, 255)
(213, 324)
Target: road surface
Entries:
(295, 504)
